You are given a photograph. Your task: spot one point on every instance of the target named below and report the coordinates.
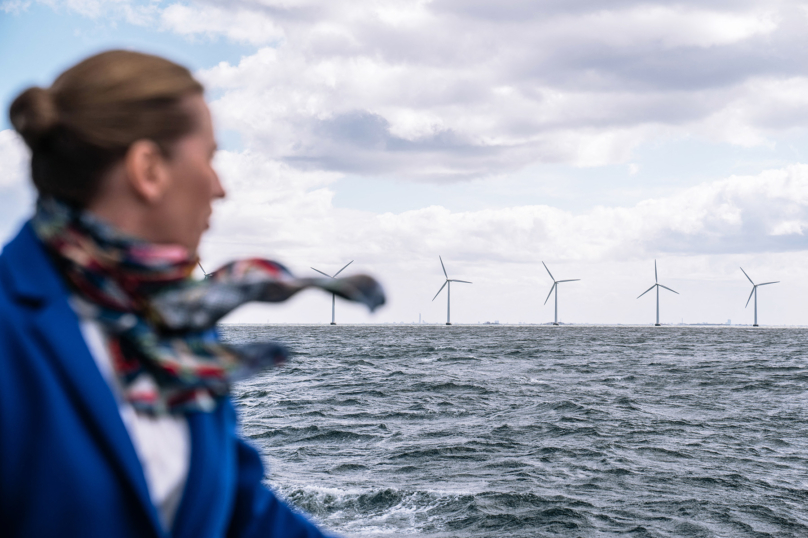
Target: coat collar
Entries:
(33, 280)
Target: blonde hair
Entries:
(87, 120)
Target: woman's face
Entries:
(187, 204)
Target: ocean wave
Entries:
(522, 432)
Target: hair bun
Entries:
(33, 114)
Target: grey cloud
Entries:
(453, 59)
(371, 131)
(361, 142)
(521, 10)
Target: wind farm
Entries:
(333, 297)
(554, 293)
(656, 285)
(555, 288)
(448, 285)
(754, 292)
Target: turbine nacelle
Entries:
(335, 274)
(755, 286)
(656, 284)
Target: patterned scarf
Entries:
(159, 322)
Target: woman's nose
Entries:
(218, 190)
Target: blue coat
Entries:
(67, 465)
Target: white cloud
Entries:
(788, 227)
(235, 24)
(195, 20)
(433, 90)
(292, 212)
(659, 25)
(14, 155)
(450, 90)
(14, 6)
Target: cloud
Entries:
(277, 207)
(447, 91)
(14, 7)
(658, 26)
(237, 25)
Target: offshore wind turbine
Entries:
(555, 287)
(657, 285)
(333, 297)
(448, 283)
(754, 292)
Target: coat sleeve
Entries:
(258, 513)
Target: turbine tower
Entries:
(555, 287)
(657, 285)
(333, 297)
(448, 283)
(754, 292)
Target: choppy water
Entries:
(537, 431)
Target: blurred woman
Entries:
(115, 418)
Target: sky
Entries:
(596, 138)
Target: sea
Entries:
(532, 431)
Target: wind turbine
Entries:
(333, 297)
(657, 285)
(555, 287)
(448, 291)
(754, 292)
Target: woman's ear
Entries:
(146, 171)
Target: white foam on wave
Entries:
(413, 511)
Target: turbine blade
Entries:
(329, 276)
(444, 267)
(440, 290)
(571, 280)
(767, 283)
(646, 291)
(747, 276)
(548, 271)
(667, 288)
(551, 290)
(656, 278)
(750, 295)
(341, 270)
(463, 281)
